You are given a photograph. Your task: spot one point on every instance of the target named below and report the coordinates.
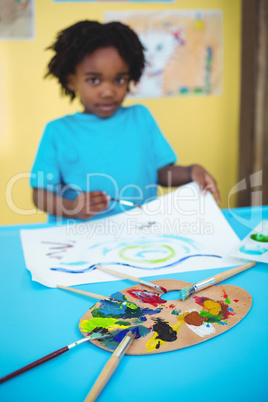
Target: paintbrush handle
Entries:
(83, 292)
(103, 378)
(34, 364)
(232, 272)
(43, 359)
(110, 366)
(125, 276)
(131, 278)
(222, 276)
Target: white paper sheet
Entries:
(254, 246)
(181, 231)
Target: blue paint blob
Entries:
(253, 250)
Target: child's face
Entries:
(101, 80)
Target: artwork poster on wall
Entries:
(16, 20)
(180, 231)
(183, 50)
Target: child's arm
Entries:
(85, 206)
(172, 176)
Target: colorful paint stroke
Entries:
(201, 323)
(153, 316)
(143, 252)
(117, 316)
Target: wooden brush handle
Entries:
(125, 276)
(103, 378)
(83, 292)
(234, 271)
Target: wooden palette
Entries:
(166, 325)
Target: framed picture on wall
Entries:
(183, 51)
(16, 20)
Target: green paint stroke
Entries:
(175, 312)
(146, 248)
(228, 301)
(211, 318)
(100, 322)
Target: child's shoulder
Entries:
(138, 110)
(62, 120)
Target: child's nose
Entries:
(107, 90)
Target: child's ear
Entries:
(71, 82)
(132, 87)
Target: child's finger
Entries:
(214, 190)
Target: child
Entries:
(107, 150)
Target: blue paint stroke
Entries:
(253, 250)
(120, 336)
(92, 267)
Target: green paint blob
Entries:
(131, 305)
(211, 318)
(259, 237)
(228, 301)
(119, 313)
(96, 322)
(175, 312)
(121, 322)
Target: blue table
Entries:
(36, 320)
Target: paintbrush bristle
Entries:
(186, 292)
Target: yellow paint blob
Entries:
(213, 308)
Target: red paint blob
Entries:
(147, 297)
(164, 290)
(225, 294)
(236, 300)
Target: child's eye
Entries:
(93, 80)
(120, 80)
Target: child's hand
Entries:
(87, 205)
(205, 181)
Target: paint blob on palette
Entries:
(255, 245)
(165, 325)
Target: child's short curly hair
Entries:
(78, 40)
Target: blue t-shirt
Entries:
(120, 155)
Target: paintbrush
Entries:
(123, 202)
(132, 278)
(111, 365)
(96, 296)
(189, 290)
(93, 335)
(128, 203)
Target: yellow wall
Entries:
(201, 129)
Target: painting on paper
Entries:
(16, 19)
(181, 231)
(183, 51)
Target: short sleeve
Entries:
(45, 171)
